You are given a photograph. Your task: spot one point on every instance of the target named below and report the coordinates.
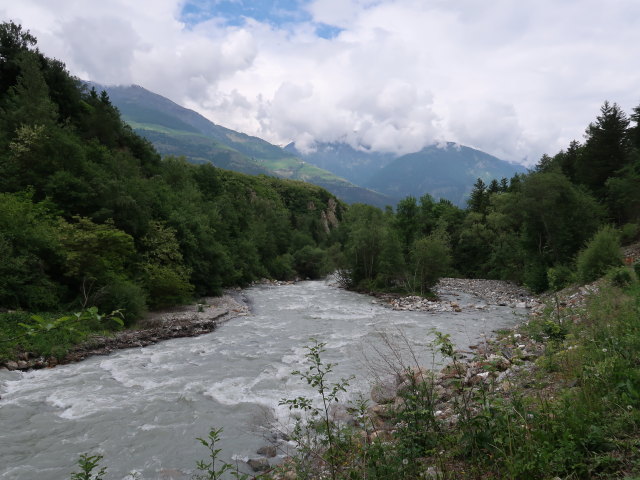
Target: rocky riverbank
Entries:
(183, 321)
(504, 365)
(487, 292)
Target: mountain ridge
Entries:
(176, 130)
(443, 171)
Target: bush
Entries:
(122, 295)
(167, 286)
(630, 232)
(309, 261)
(535, 276)
(621, 276)
(601, 253)
(559, 277)
(430, 260)
(281, 267)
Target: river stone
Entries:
(258, 464)
(499, 362)
(11, 365)
(268, 451)
(339, 413)
(385, 390)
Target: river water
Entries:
(143, 408)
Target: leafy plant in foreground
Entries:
(87, 464)
(316, 376)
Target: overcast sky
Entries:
(515, 78)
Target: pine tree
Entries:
(606, 150)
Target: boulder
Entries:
(11, 365)
(269, 451)
(258, 464)
(499, 362)
(384, 390)
(381, 411)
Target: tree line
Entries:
(532, 229)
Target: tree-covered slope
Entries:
(175, 130)
(91, 215)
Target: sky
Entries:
(514, 78)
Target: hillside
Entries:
(175, 130)
(357, 166)
(444, 172)
(448, 172)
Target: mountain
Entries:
(357, 166)
(447, 171)
(444, 172)
(175, 130)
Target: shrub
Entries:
(629, 232)
(559, 277)
(125, 296)
(167, 285)
(309, 261)
(281, 267)
(535, 276)
(601, 253)
(621, 276)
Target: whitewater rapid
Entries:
(142, 409)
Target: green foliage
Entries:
(166, 279)
(430, 258)
(87, 464)
(29, 250)
(601, 253)
(317, 376)
(213, 468)
(309, 262)
(123, 295)
(48, 334)
(621, 277)
(629, 232)
(90, 214)
(559, 277)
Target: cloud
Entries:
(515, 79)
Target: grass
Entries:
(50, 337)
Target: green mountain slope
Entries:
(448, 172)
(175, 130)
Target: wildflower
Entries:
(405, 461)
(604, 350)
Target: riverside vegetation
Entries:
(93, 220)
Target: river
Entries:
(143, 408)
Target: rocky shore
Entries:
(183, 321)
(448, 290)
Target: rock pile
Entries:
(490, 292)
(497, 365)
(494, 292)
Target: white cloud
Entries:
(515, 79)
